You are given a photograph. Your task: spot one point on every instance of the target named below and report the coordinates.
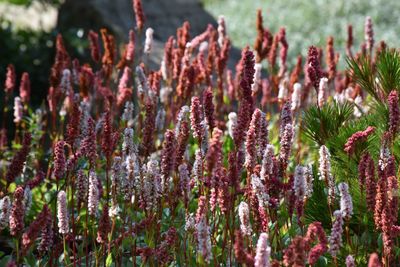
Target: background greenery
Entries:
(309, 22)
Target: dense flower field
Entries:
(194, 164)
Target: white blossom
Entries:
(204, 239)
(259, 190)
(148, 43)
(244, 216)
(296, 96)
(267, 164)
(335, 240)
(257, 78)
(232, 123)
(346, 202)
(182, 115)
(62, 213)
(93, 194)
(127, 115)
(221, 30)
(263, 252)
(18, 110)
(65, 84)
(5, 208)
(27, 198)
(283, 89)
(322, 91)
(325, 171)
(300, 182)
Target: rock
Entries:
(164, 16)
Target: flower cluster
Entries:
(357, 137)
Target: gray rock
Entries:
(164, 16)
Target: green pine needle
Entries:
(388, 70)
(321, 124)
(361, 71)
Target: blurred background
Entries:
(28, 27)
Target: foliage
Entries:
(321, 124)
(195, 173)
(386, 71)
(362, 73)
(315, 19)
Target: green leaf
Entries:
(5, 260)
(109, 260)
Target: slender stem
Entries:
(111, 234)
(86, 235)
(94, 244)
(107, 179)
(65, 251)
(17, 249)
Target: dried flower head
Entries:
(17, 212)
(394, 112)
(29, 236)
(25, 88)
(209, 108)
(139, 15)
(94, 45)
(17, 163)
(59, 160)
(313, 67)
(286, 144)
(369, 34)
(46, 240)
(331, 58)
(167, 157)
(360, 136)
(196, 117)
(104, 226)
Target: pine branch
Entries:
(361, 72)
(388, 70)
(322, 124)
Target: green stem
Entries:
(17, 249)
(65, 251)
